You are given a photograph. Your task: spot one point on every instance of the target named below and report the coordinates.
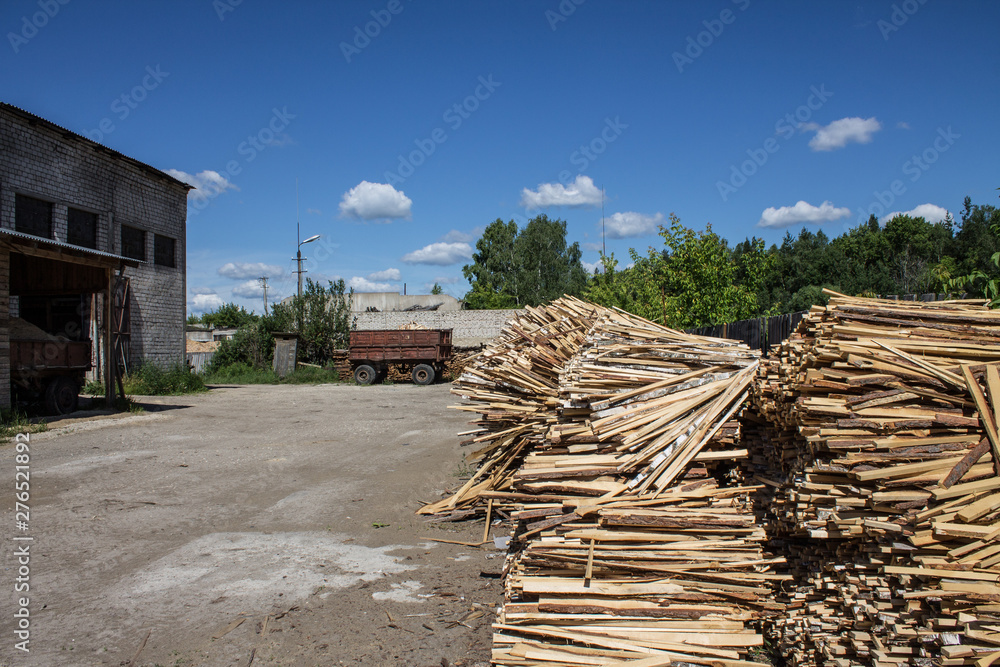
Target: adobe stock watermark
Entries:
(248, 149)
(566, 9)
(30, 25)
(915, 168)
(900, 14)
(582, 158)
(785, 128)
(363, 36)
(696, 44)
(223, 7)
(123, 105)
(588, 153)
(454, 117)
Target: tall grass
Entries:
(151, 380)
(13, 422)
(241, 373)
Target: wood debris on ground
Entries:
(676, 499)
(612, 443)
(877, 438)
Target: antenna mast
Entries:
(604, 247)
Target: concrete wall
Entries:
(384, 301)
(471, 327)
(41, 161)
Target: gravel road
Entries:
(264, 525)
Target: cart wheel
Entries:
(364, 374)
(423, 374)
(61, 396)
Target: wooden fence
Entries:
(760, 333)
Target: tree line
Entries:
(696, 278)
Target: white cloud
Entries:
(372, 201)
(360, 284)
(208, 183)
(388, 274)
(250, 289)
(592, 267)
(595, 247)
(202, 290)
(629, 224)
(205, 302)
(841, 132)
(581, 192)
(930, 212)
(787, 216)
(441, 254)
(902, 125)
(446, 280)
(313, 211)
(455, 236)
(244, 270)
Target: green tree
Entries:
(696, 280)
(977, 239)
(436, 289)
(193, 319)
(513, 268)
(228, 316)
(494, 270)
(325, 319)
(326, 326)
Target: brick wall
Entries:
(4, 328)
(69, 171)
(471, 327)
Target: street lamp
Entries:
(298, 258)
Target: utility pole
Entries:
(604, 247)
(263, 283)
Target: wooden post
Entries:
(109, 357)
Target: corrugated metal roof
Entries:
(68, 246)
(38, 120)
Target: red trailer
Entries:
(50, 370)
(421, 351)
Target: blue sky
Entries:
(410, 125)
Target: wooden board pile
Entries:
(613, 444)
(881, 452)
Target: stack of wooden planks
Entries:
(876, 438)
(613, 444)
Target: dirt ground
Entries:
(264, 525)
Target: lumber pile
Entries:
(613, 445)
(876, 438)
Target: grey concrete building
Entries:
(92, 246)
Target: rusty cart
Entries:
(50, 370)
(423, 352)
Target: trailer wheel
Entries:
(61, 396)
(423, 374)
(364, 374)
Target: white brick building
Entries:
(74, 215)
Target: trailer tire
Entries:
(423, 374)
(61, 396)
(365, 374)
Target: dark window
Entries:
(33, 216)
(133, 243)
(163, 251)
(82, 228)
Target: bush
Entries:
(241, 373)
(151, 380)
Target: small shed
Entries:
(286, 348)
